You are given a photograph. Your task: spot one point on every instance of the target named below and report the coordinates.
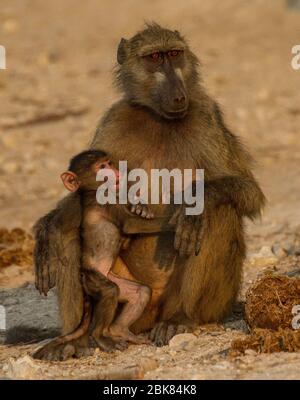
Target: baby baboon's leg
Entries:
(136, 297)
(104, 294)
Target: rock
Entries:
(23, 368)
(183, 341)
(278, 250)
(292, 249)
(148, 364)
(264, 257)
(250, 352)
(237, 325)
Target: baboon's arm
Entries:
(49, 230)
(238, 185)
(242, 192)
(231, 182)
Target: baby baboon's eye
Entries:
(102, 166)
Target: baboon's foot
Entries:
(117, 332)
(55, 351)
(163, 332)
(108, 344)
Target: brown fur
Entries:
(188, 290)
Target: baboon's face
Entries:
(162, 74)
(157, 70)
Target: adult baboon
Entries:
(166, 120)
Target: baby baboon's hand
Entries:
(142, 210)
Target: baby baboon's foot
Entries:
(55, 351)
(120, 333)
(108, 344)
(163, 332)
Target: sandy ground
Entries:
(58, 82)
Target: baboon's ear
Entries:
(122, 51)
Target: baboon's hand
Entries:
(142, 210)
(188, 234)
(45, 276)
(45, 270)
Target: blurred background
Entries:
(58, 82)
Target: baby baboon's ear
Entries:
(70, 181)
(122, 51)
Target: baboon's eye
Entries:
(173, 53)
(155, 56)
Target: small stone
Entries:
(291, 248)
(98, 360)
(23, 368)
(264, 257)
(183, 340)
(278, 250)
(238, 325)
(217, 333)
(250, 352)
(149, 364)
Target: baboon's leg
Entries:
(65, 346)
(208, 284)
(70, 295)
(69, 286)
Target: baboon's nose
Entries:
(179, 101)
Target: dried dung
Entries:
(269, 305)
(270, 300)
(268, 341)
(16, 247)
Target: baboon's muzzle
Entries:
(174, 95)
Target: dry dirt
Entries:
(58, 82)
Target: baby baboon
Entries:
(101, 242)
(171, 122)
